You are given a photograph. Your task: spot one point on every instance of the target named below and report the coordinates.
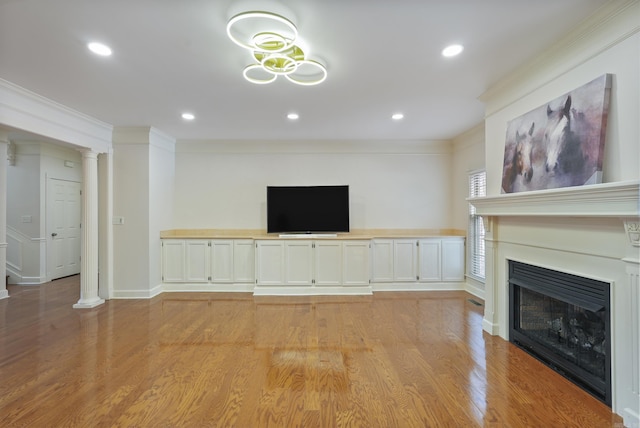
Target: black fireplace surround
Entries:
(564, 321)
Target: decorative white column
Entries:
(4, 144)
(627, 396)
(89, 262)
(491, 289)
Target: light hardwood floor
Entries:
(206, 360)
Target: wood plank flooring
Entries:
(233, 360)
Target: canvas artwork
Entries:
(559, 144)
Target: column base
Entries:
(4, 294)
(88, 305)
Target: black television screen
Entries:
(307, 209)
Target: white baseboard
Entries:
(207, 287)
(489, 327)
(475, 290)
(287, 290)
(418, 286)
(137, 294)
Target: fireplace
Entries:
(564, 321)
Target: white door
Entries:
(430, 267)
(173, 260)
(382, 260)
(453, 259)
(269, 262)
(63, 228)
(243, 260)
(222, 260)
(405, 260)
(355, 265)
(328, 263)
(298, 262)
(197, 260)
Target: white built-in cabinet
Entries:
(312, 263)
(204, 260)
(418, 260)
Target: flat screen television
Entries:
(307, 209)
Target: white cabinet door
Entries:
(382, 260)
(243, 260)
(298, 262)
(270, 262)
(328, 263)
(405, 260)
(429, 259)
(453, 259)
(173, 253)
(355, 263)
(222, 260)
(197, 260)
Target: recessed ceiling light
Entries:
(293, 116)
(397, 116)
(99, 49)
(452, 50)
(188, 116)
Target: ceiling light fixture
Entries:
(188, 116)
(452, 50)
(273, 42)
(397, 116)
(293, 116)
(99, 49)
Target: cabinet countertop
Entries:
(356, 234)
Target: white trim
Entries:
(475, 290)
(619, 199)
(207, 287)
(311, 291)
(421, 147)
(613, 23)
(137, 294)
(418, 286)
(24, 110)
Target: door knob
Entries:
(54, 234)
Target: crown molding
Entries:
(613, 23)
(24, 110)
(358, 147)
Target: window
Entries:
(477, 188)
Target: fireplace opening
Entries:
(564, 321)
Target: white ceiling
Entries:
(382, 56)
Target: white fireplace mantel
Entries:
(539, 243)
(618, 199)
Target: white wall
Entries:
(143, 160)
(393, 184)
(35, 163)
(468, 156)
(130, 201)
(610, 47)
(161, 191)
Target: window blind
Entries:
(477, 188)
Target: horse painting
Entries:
(563, 141)
(518, 160)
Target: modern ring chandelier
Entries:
(274, 44)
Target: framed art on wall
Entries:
(560, 143)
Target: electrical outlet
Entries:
(117, 220)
